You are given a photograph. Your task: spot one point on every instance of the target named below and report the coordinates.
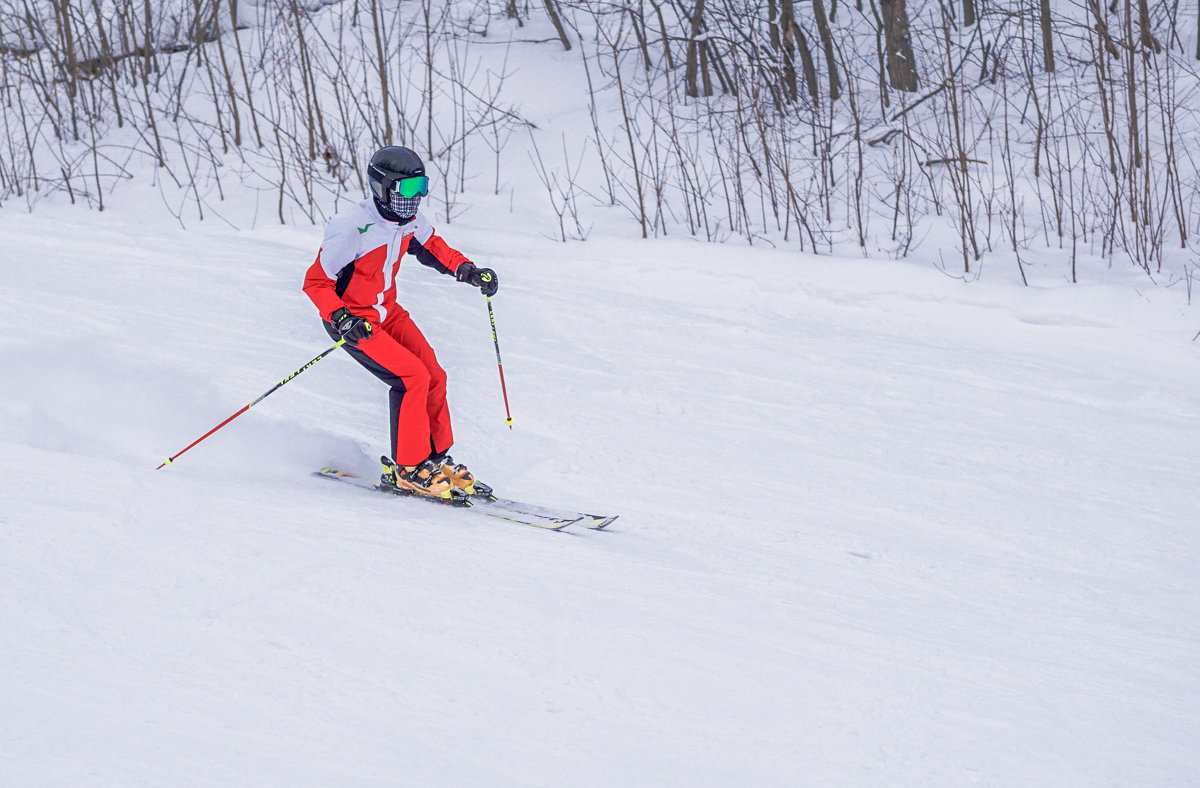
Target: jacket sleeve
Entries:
(320, 283)
(429, 249)
(321, 288)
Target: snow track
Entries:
(952, 536)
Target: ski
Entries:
(484, 498)
(519, 514)
(596, 522)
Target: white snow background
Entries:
(878, 526)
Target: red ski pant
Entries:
(398, 354)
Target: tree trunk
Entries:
(901, 65)
(1146, 29)
(693, 56)
(885, 101)
(556, 20)
(1047, 39)
(969, 13)
(807, 63)
(666, 42)
(835, 83)
(788, 44)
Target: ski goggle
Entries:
(411, 187)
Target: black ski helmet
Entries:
(389, 165)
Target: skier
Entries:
(353, 284)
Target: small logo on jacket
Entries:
(364, 228)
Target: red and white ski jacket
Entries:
(356, 267)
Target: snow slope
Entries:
(878, 526)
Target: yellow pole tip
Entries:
(509, 421)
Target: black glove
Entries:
(483, 278)
(353, 328)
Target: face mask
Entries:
(404, 207)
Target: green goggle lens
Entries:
(411, 187)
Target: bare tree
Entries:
(696, 55)
(556, 20)
(826, 34)
(901, 64)
(1044, 19)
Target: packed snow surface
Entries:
(879, 525)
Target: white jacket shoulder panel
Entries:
(350, 233)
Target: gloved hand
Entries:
(483, 278)
(354, 329)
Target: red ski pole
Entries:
(499, 365)
(171, 460)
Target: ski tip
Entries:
(560, 525)
(601, 522)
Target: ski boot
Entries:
(425, 479)
(462, 481)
